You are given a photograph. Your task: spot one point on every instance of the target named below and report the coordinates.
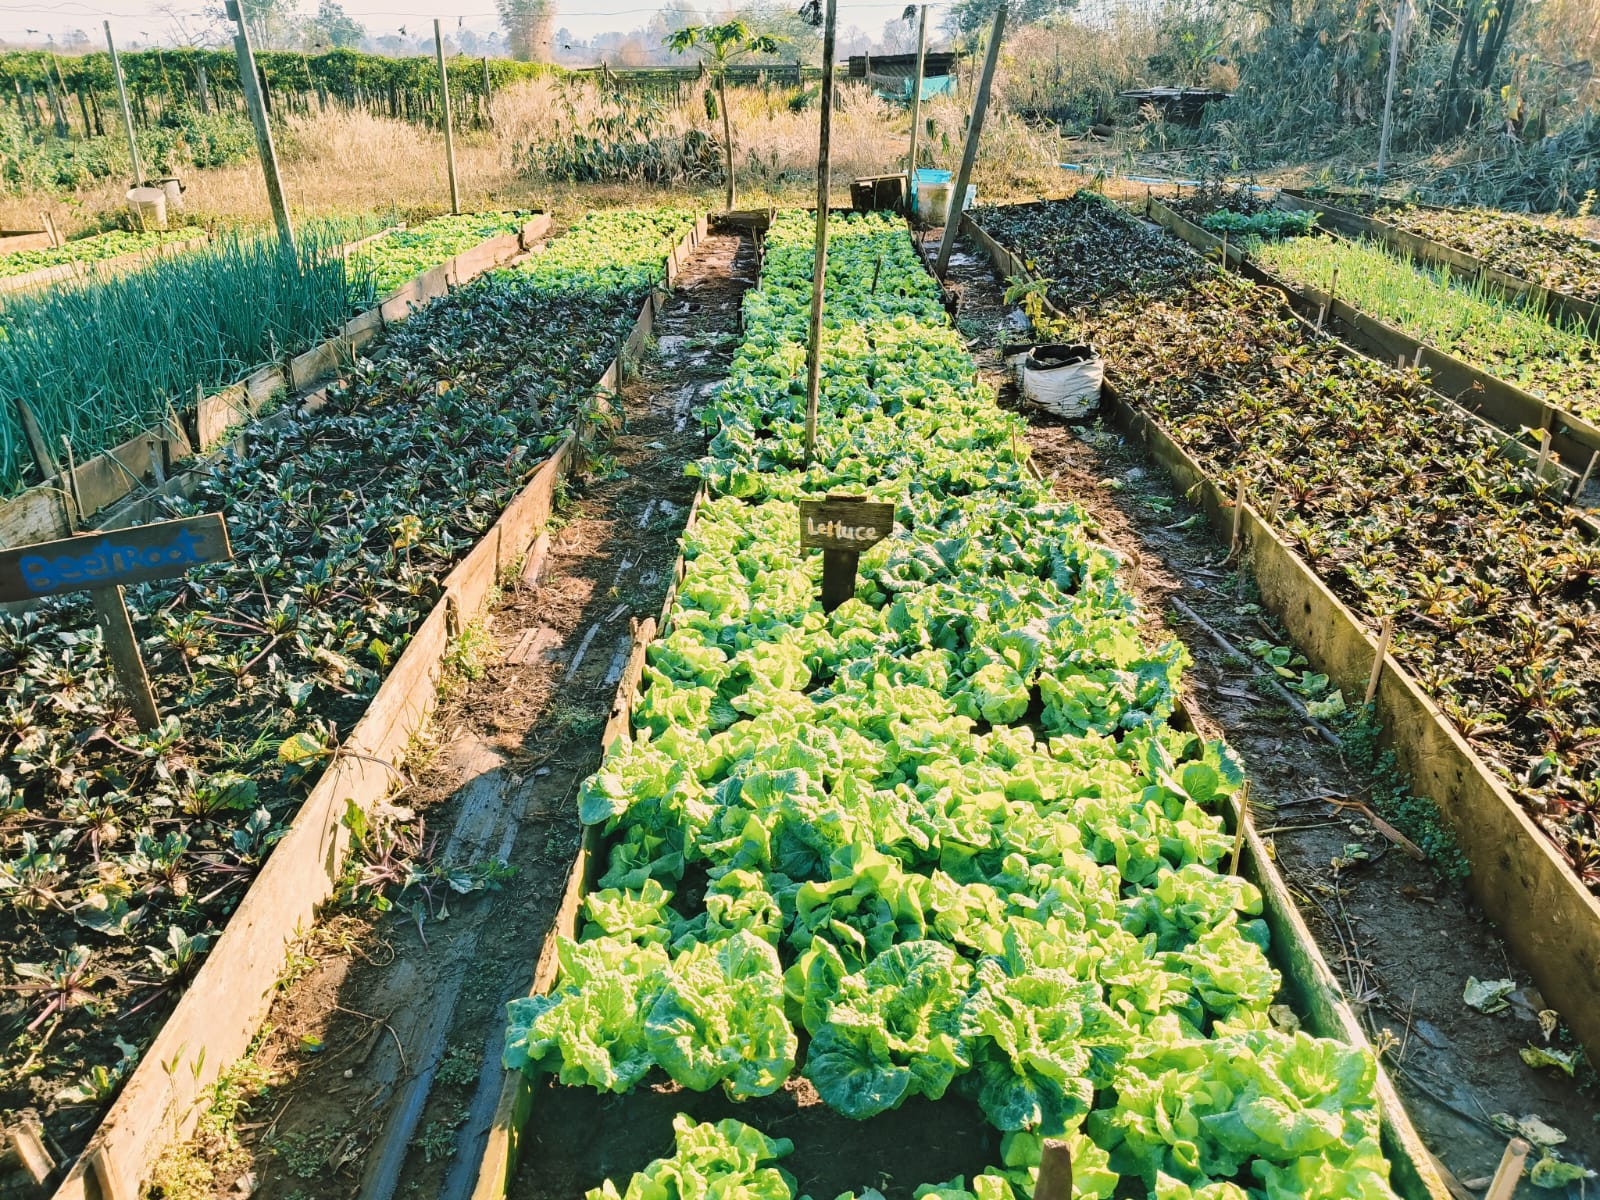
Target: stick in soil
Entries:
(1243, 824)
(1583, 480)
(1282, 692)
(1384, 637)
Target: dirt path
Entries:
(1403, 940)
(383, 1051)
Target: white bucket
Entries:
(933, 201)
(173, 188)
(148, 206)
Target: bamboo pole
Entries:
(255, 101)
(819, 272)
(916, 104)
(127, 113)
(1395, 34)
(969, 155)
(449, 133)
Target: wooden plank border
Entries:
(1546, 914)
(1470, 267)
(1491, 398)
(224, 1005)
(88, 270)
(504, 1148)
(42, 513)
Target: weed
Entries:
(460, 1066)
(439, 1139)
(1415, 816)
(469, 654)
(197, 1168)
(574, 720)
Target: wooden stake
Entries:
(37, 446)
(1333, 290)
(127, 113)
(1544, 452)
(1583, 480)
(50, 228)
(1224, 249)
(1055, 1171)
(1509, 1172)
(77, 515)
(1416, 359)
(875, 272)
(1385, 636)
(1241, 825)
(449, 132)
(1395, 34)
(916, 106)
(1238, 516)
(488, 95)
(255, 101)
(123, 649)
(820, 265)
(969, 155)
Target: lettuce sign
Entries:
(842, 527)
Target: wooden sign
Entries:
(101, 563)
(121, 556)
(842, 527)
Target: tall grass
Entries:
(102, 359)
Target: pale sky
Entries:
(143, 20)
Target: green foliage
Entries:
(89, 250)
(343, 524)
(1417, 817)
(952, 812)
(726, 1160)
(1561, 364)
(205, 318)
(400, 256)
(1400, 502)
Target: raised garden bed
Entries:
(877, 857)
(349, 519)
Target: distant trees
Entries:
(528, 24)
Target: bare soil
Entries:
(1402, 939)
(383, 1052)
(578, 1138)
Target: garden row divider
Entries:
(223, 1008)
(45, 512)
(1537, 296)
(1519, 878)
(1489, 397)
(76, 270)
(515, 1107)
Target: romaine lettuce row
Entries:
(953, 810)
(1200, 1109)
(890, 1031)
(712, 1014)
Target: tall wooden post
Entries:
(127, 113)
(819, 272)
(974, 131)
(1395, 34)
(488, 95)
(250, 83)
(449, 133)
(916, 102)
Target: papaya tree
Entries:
(720, 46)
